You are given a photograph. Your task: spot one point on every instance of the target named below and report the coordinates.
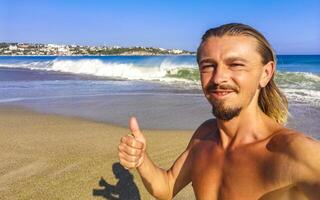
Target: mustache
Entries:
(221, 87)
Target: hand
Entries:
(132, 147)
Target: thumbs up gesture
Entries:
(132, 147)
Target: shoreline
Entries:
(48, 156)
(90, 55)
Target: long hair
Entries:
(271, 100)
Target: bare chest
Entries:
(245, 174)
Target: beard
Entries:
(224, 113)
(219, 110)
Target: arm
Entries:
(307, 154)
(162, 184)
(165, 184)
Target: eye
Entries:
(207, 68)
(236, 64)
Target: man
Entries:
(246, 152)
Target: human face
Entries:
(230, 69)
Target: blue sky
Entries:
(292, 26)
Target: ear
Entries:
(267, 73)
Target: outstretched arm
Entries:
(307, 153)
(162, 184)
(165, 184)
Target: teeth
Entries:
(222, 93)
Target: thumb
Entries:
(135, 130)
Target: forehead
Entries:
(230, 46)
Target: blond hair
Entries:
(271, 100)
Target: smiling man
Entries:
(246, 152)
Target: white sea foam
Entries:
(27, 65)
(166, 71)
(96, 67)
(308, 96)
(11, 100)
(112, 69)
(148, 70)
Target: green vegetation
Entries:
(189, 74)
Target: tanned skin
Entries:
(248, 157)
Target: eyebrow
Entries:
(207, 60)
(228, 59)
(235, 58)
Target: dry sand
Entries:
(54, 157)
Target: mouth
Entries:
(218, 94)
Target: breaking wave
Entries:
(298, 86)
(163, 70)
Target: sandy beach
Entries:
(59, 129)
(55, 157)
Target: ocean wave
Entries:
(165, 70)
(298, 86)
(300, 80)
(97, 67)
(37, 65)
(310, 97)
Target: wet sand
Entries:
(46, 156)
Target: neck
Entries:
(252, 125)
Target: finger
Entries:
(129, 150)
(135, 130)
(131, 141)
(130, 153)
(128, 165)
(133, 125)
(128, 157)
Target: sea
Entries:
(163, 92)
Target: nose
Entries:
(219, 75)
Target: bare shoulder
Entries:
(206, 130)
(294, 143)
(303, 150)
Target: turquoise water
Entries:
(162, 90)
(162, 68)
(286, 63)
(297, 75)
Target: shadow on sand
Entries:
(125, 188)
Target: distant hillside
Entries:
(69, 50)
